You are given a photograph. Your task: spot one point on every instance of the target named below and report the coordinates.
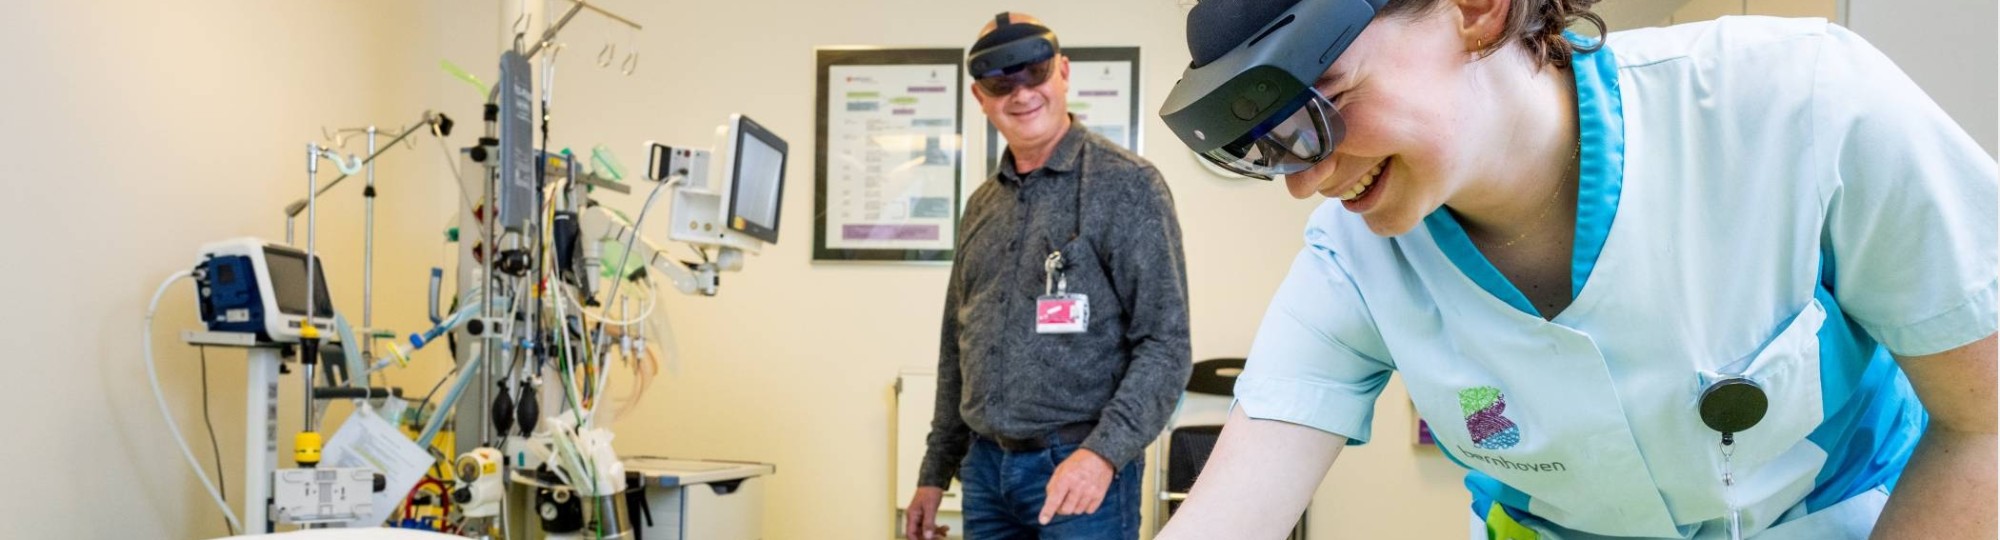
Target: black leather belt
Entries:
(1069, 434)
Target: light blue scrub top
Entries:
(1873, 419)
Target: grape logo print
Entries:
(1486, 418)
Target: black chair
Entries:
(1192, 433)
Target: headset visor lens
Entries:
(1291, 145)
(1025, 75)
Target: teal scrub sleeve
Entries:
(1304, 366)
(1910, 206)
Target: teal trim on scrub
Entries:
(1458, 247)
(1600, 178)
(1873, 419)
(1600, 128)
(1486, 492)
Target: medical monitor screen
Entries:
(288, 282)
(757, 181)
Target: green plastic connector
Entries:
(461, 74)
(616, 264)
(607, 163)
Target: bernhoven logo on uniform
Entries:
(1485, 416)
(1486, 419)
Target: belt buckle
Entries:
(1024, 445)
(1017, 446)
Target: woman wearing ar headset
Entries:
(1720, 280)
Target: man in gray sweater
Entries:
(1065, 338)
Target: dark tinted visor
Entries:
(1005, 81)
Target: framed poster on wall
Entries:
(1103, 94)
(888, 151)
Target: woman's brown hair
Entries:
(1535, 24)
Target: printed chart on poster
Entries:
(889, 147)
(1103, 95)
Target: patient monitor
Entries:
(252, 286)
(732, 200)
(727, 200)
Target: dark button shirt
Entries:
(1110, 213)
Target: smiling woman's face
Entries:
(1402, 89)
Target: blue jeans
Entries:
(1004, 492)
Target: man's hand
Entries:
(1078, 485)
(920, 520)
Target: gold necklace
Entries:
(1555, 196)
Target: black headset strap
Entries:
(1081, 159)
(1076, 232)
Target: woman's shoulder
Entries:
(1717, 42)
(1732, 75)
(1345, 234)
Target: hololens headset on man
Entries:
(1013, 55)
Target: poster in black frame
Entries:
(934, 241)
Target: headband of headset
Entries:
(1010, 45)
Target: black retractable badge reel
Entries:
(1733, 405)
(1729, 406)
(1247, 102)
(1056, 310)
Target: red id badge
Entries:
(1062, 314)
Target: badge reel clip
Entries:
(1057, 311)
(1730, 406)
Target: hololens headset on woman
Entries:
(1247, 101)
(1013, 55)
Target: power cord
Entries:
(221, 479)
(160, 398)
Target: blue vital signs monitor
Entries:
(251, 286)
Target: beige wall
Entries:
(146, 129)
(138, 131)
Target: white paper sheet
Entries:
(366, 440)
